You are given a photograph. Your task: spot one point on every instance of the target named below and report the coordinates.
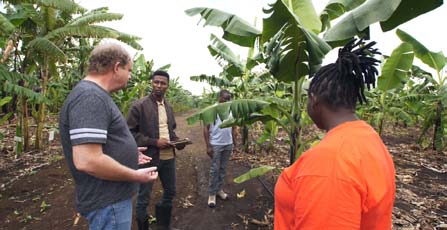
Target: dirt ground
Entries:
(36, 190)
(52, 185)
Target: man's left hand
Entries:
(143, 159)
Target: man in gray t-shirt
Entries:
(219, 145)
(101, 153)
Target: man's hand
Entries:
(209, 151)
(143, 159)
(146, 174)
(164, 143)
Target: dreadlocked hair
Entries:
(342, 83)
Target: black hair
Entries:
(342, 83)
(160, 73)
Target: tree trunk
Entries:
(25, 127)
(245, 138)
(18, 136)
(384, 111)
(42, 107)
(296, 126)
(438, 131)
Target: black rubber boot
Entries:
(163, 215)
(143, 224)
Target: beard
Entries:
(158, 93)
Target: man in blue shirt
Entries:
(219, 145)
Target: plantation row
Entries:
(45, 46)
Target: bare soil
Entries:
(36, 190)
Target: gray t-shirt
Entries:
(89, 115)
(220, 136)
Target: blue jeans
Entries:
(221, 155)
(166, 173)
(117, 216)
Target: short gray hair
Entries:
(104, 56)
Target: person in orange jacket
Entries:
(347, 181)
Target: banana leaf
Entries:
(253, 173)
(396, 68)
(434, 60)
(235, 29)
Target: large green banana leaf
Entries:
(6, 27)
(360, 18)
(253, 173)
(95, 17)
(435, 60)
(47, 47)
(306, 14)
(63, 5)
(231, 63)
(241, 108)
(396, 68)
(212, 80)
(235, 29)
(9, 79)
(252, 118)
(336, 8)
(407, 10)
(291, 50)
(92, 31)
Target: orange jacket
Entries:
(345, 182)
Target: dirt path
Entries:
(192, 175)
(45, 199)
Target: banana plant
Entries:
(236, 76)
(47, 30)
(362, 13)
(392, 79)
(287, 45)
(435, 111)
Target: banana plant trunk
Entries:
(245, 142)
(384, 111)
(18, 136)
(25, 124)
(438, 130)
(296, 142)
(42, 107)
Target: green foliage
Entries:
(434, 60)
(6, 27)
(305, 12)
(4, 101)
(360, 18)
(180, 98)
(212, 80)
(253, 173)
(230, 63)
(408, 10)
(336, 8)
(291, 50)
(242, 108)
(395, 70)
(9, 79)
(63, 5)
(46, 48)
(235, 28)
(93, 17)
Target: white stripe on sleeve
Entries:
(88, 130)
(88, 135)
